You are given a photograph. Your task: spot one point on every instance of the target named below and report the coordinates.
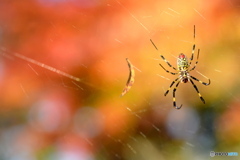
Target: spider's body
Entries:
(182, 63)
(183, 69)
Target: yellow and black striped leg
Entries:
(167, 70)
(171, 86)
(199, 94)
(167, 62)
(174, 99)
(204, 83)
(196, 61)
(163, 57)
(193, 50)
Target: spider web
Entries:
(63, 69)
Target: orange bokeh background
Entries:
(45, 115)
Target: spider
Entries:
(183, 69)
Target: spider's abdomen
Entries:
(182, 62)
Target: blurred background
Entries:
(46, 116)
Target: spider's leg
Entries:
(171, 86)
(163, 57)
(193, 49)
(196, 62)
(194, 32)
(174, 99)
(167, 70)
(199, 94)
(204, 83)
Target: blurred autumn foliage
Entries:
(45, 115)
